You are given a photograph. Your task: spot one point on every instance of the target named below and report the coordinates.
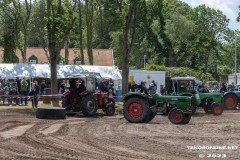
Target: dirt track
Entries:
(22, 136)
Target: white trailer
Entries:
(148, 76)
(231, 78)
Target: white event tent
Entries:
(11, 71)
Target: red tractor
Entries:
(82, 96)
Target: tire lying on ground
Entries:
(51, 113)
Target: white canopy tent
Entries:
(11, 71)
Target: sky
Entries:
(228, 7)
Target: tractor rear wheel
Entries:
(137, 110)
(176, 116)
(217, 109)
(89, 105)
(151, 116)
(230, 101)
(110, 109)
(187, 118)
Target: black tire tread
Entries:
(51, 113)
(146, 110)
(84, 101)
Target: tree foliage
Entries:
(166, 33)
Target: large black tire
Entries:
(194, 109)
(51, 113)
(89, 105)
(207, 109)
(65, 102)
(230, 101)
(176, 116)
(151, 116)
(110, 109)
(187, 118)
(137, 110)
(217, 109)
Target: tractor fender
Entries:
(135, 94)
(233, 93)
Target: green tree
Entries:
(129, 11)
(60, 19)
(89, 22)
(212, 28)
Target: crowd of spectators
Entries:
(19, 91)
(150, 90)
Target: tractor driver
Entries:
(182, 87)
(73, 87)
(81, 87)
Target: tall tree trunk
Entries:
(54, 42)
(24, 54)
(89, 19)
(53, 66)
(46, 54)
(130, 23)
(66, 52)
(80, 32)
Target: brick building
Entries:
(101, 57)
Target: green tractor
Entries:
(142, 108)
(188, 86)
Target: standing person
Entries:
(42, 87)
(18, 82)
(24, 91)
(13, 96)
(33, 93)
(37, 89)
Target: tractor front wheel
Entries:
(110, 109)
(217, 109)
(207, 109)
(187, 118)
(89, 105)
(137, 110)
(176, 116)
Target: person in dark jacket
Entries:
(224, 88)
(134, 87)
(18, 82)
(81, 87)
(34, 96)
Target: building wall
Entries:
(101, 57)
